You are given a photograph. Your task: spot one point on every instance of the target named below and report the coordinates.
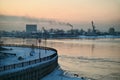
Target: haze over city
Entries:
(80, 13)
(59, 39)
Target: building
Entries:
(31, 28)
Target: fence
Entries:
(27, 63)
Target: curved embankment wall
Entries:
(29, 70)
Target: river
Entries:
(97, 59)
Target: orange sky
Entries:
(63, 10)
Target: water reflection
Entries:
(87, 48)
(76, 47)
(97, 59)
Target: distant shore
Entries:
(89, 37)
(77, 37)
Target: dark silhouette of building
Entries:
(111, 31)
(31, 28)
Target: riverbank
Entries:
(31, 68)
(59, 74)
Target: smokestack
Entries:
(93, 26)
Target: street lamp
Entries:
(39, 48)
(45, 38)
(23, 39)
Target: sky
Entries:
(73, 11)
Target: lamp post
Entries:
(23, 39)
(39, 48)
(45, 38)
(45, 43)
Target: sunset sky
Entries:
(64, 10)
(73, 11)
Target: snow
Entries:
(26, 67)
(25, 53)
(58, 74)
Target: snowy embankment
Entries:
(59, 74)
(24, 53)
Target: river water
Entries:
(97, 59)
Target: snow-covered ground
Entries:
(26, 67)
(25, 53)
(59, 74)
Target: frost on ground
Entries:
(24, 53)
(59, 74)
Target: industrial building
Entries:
(31, 28)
